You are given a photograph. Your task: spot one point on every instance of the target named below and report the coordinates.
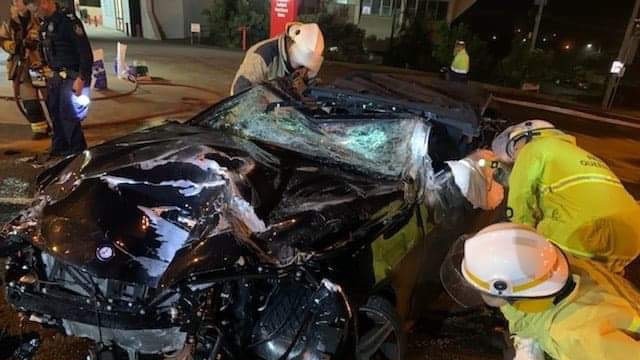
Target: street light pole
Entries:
(626, 55)
(536, 27)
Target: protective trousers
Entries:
(66, 117)
(30, 105)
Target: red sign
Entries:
(282, 13)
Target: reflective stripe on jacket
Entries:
(599, 320)
(266, 60)
(575, 200)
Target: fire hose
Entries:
(131, 79)
(137, 84)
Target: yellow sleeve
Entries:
(524, 185)
(591, 343)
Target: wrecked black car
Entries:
(243, 234)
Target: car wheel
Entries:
(380, 335)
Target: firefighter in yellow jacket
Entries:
(566, 307)
(569, 195)
(19, 38)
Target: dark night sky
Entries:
(575, 21)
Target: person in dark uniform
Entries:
(69, 59)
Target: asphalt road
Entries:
(452, 338)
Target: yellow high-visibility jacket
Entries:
(460, 62)
(599, 320)
(574, 199)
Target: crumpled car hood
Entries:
(123, 209)
(132, 208)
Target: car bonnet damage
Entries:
(256, 192)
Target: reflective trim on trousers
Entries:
(40, 127)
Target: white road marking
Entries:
(570, 112)
(15, 201)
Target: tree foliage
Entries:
(413, 47)
(523, 65)
(226, 17)
(343, 41)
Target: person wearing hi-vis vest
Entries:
(565, 307)
(569, 195)
(459, 70)
(19, 38)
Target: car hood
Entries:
(124, 209)
(132, 208)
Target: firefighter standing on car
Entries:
(569, 195)
(296, 53)
(19, 38)
(566, 307)
(69, 59)
(459, 70)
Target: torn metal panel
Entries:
(261, 206)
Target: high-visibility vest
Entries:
(460, 62)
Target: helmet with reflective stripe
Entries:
(307, 47)
(513, 261)
(504, 145)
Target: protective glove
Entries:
(30, 44)
(9, 46)
(299, 81)
(527, 349)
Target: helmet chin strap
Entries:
(535, 305)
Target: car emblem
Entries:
(105, 253)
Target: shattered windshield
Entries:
(378, 145)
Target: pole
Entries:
(625, 56)
(536, 27)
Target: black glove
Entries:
(299, 81)
(30, 44)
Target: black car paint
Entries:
(125, 194)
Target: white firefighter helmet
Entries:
(307, 46)
(474, 176)
(513, 261)
(504, 145)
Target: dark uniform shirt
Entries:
(65, 45)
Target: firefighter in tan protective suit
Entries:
(298, 51)
(19, 38)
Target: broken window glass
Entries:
(376, 145)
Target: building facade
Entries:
(151, 19)
(171, 19)
(381, 18)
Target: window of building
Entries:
(437, 9)
(378, 7)
(386, 7)
(93, 3)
